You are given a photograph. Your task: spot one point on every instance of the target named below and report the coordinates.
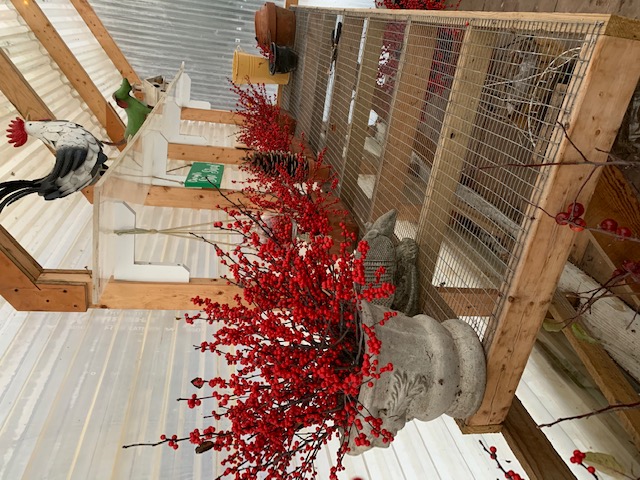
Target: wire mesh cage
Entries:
(447, 120)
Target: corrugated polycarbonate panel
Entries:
(157, 35)
(32, 221)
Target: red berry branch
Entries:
(265, 127)
(577, 458)
(293, 336)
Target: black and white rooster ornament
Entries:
(80, 160)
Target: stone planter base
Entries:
(439, 368)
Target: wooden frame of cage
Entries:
(595, 117)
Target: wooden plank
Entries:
(615, 198)
(11, 249)
(595, 117)
(531, 447)
(406, 109)
(18, 91)
(612, 25)
(206, 153)
(179, 197)
(165, 296)
(604, 371)
(72, 69)
(458, 123)
(469, 301)
(211, 116)
(106, 40)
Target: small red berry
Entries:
(493, 449)
(623, 232)
(163, 437)
(562, 218)
(609, 224)
(591, 469)
(575, 210)
(578, 225)
(573, 459)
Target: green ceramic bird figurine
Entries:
(136, 110)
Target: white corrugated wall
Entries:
(75, 387)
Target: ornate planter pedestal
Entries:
(439, 368)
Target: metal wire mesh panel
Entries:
(435, 117)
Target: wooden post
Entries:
(457, 126)
(105, 40)
(592, 125)
(531, 447)
(64, 58)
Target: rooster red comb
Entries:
(16, 132)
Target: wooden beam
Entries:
(604, 371)
(23, 285)
(531, 447)
(595, 117)
(211, 116)
(207, 153)
(195, 198)
(477, 302)
(72, 69)
(105, 40)
(18, 91)
(165, 296)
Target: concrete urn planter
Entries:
(439, 368)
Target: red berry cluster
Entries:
(292, 338)
(493, 454)
(573, 217)
(610, 225)
(412, 4)
(578, 457)
(171, 442)
(265, 127)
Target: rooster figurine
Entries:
(80, 160)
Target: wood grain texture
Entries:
(206, 153)
(531, 447)
(165, 296)
(592, 125)
(18, 91)
(105, 40)
(604, 371)
(212, 116)
(64, 58)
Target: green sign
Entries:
(204, 175)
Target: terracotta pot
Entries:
(275, 24)
(265, 24)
